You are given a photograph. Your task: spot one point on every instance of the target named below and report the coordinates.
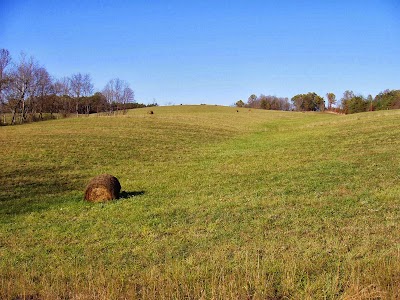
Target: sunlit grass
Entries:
(229, 204)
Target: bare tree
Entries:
(128, 96)
(23, 86)
(76, 89)
(76, 85)
(87, 85)
(87, 91)
(118, 92)
(108, 93)
(44, 89)
(80, 86)
(5, 60)
(61, 88)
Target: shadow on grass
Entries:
(31, 189)
(37, 182)
(126, 195)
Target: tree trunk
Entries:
(14, 111)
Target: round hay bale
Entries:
(102, 188)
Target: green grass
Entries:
(221, 205)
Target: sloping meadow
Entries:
(217, 203)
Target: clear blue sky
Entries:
(214, 52)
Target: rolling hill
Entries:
(218, 203)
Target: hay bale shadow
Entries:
(126, 195)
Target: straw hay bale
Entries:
(102, 188)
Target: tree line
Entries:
(349, 103)
(29, 93)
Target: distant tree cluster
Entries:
(265, 102)
(28, 92)
(388, 99)
(308, 102)
(349, 103)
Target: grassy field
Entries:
(218, 204)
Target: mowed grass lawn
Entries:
(218, 204)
